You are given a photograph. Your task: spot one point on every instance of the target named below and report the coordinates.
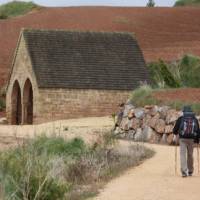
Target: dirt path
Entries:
(87, 128)
(154, 180)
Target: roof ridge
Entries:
(78, 31)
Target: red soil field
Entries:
(165, 33)
(186, 95)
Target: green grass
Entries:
(55, 169)
(16, 8)
(143, 96)
(187, 3)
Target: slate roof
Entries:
(85, 60)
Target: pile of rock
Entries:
(152, 124)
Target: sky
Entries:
(98, 2)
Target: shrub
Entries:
(35, 170)
(161, 75)
(184, 73)
(58, 146)
(52, 168)
(143, 96)
(3, 15)
(186, 2)
(16, 8)
(189, 71)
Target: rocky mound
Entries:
(152, 124)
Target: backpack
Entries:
(188, 127)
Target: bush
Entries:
(35, 170)
(16, 8)
(59, 147)
(187, 2)
(52, 168)
(3, 15)
(184, 73)
(189, 71)
(143, 96)
(161, 75)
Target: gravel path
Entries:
(154, 180)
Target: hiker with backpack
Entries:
(187, 128)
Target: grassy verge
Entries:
(52, 168)
(144, 96)
(16, 8)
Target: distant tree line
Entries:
(187, 2)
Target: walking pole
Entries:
(175, 159)
(198, 157)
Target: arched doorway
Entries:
(16, 116)
(28, 102)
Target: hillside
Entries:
(16, 8)
(187, 3)
(165, 33)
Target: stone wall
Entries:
(55, 104)
(21, 72)
(152, 124)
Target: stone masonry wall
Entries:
(55, 104)
(22, 70)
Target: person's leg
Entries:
(183, 154)
(190, 145)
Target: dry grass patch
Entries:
(52, 168)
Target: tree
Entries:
(151, 3)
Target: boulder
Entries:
(160, 126)
(121, 136)
(138, 135)
(170, 139)
(155, 138)
(148, 133)
(139, 113)
(153, 111)
(130, 135)
(153, 121)
(172, 116)
(163, 111)
(131, 114)
(169, 129)
(148, 107)
(135, 123)
(128, 106)
(124, 124)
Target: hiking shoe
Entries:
(190, 173)
(184, 175)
